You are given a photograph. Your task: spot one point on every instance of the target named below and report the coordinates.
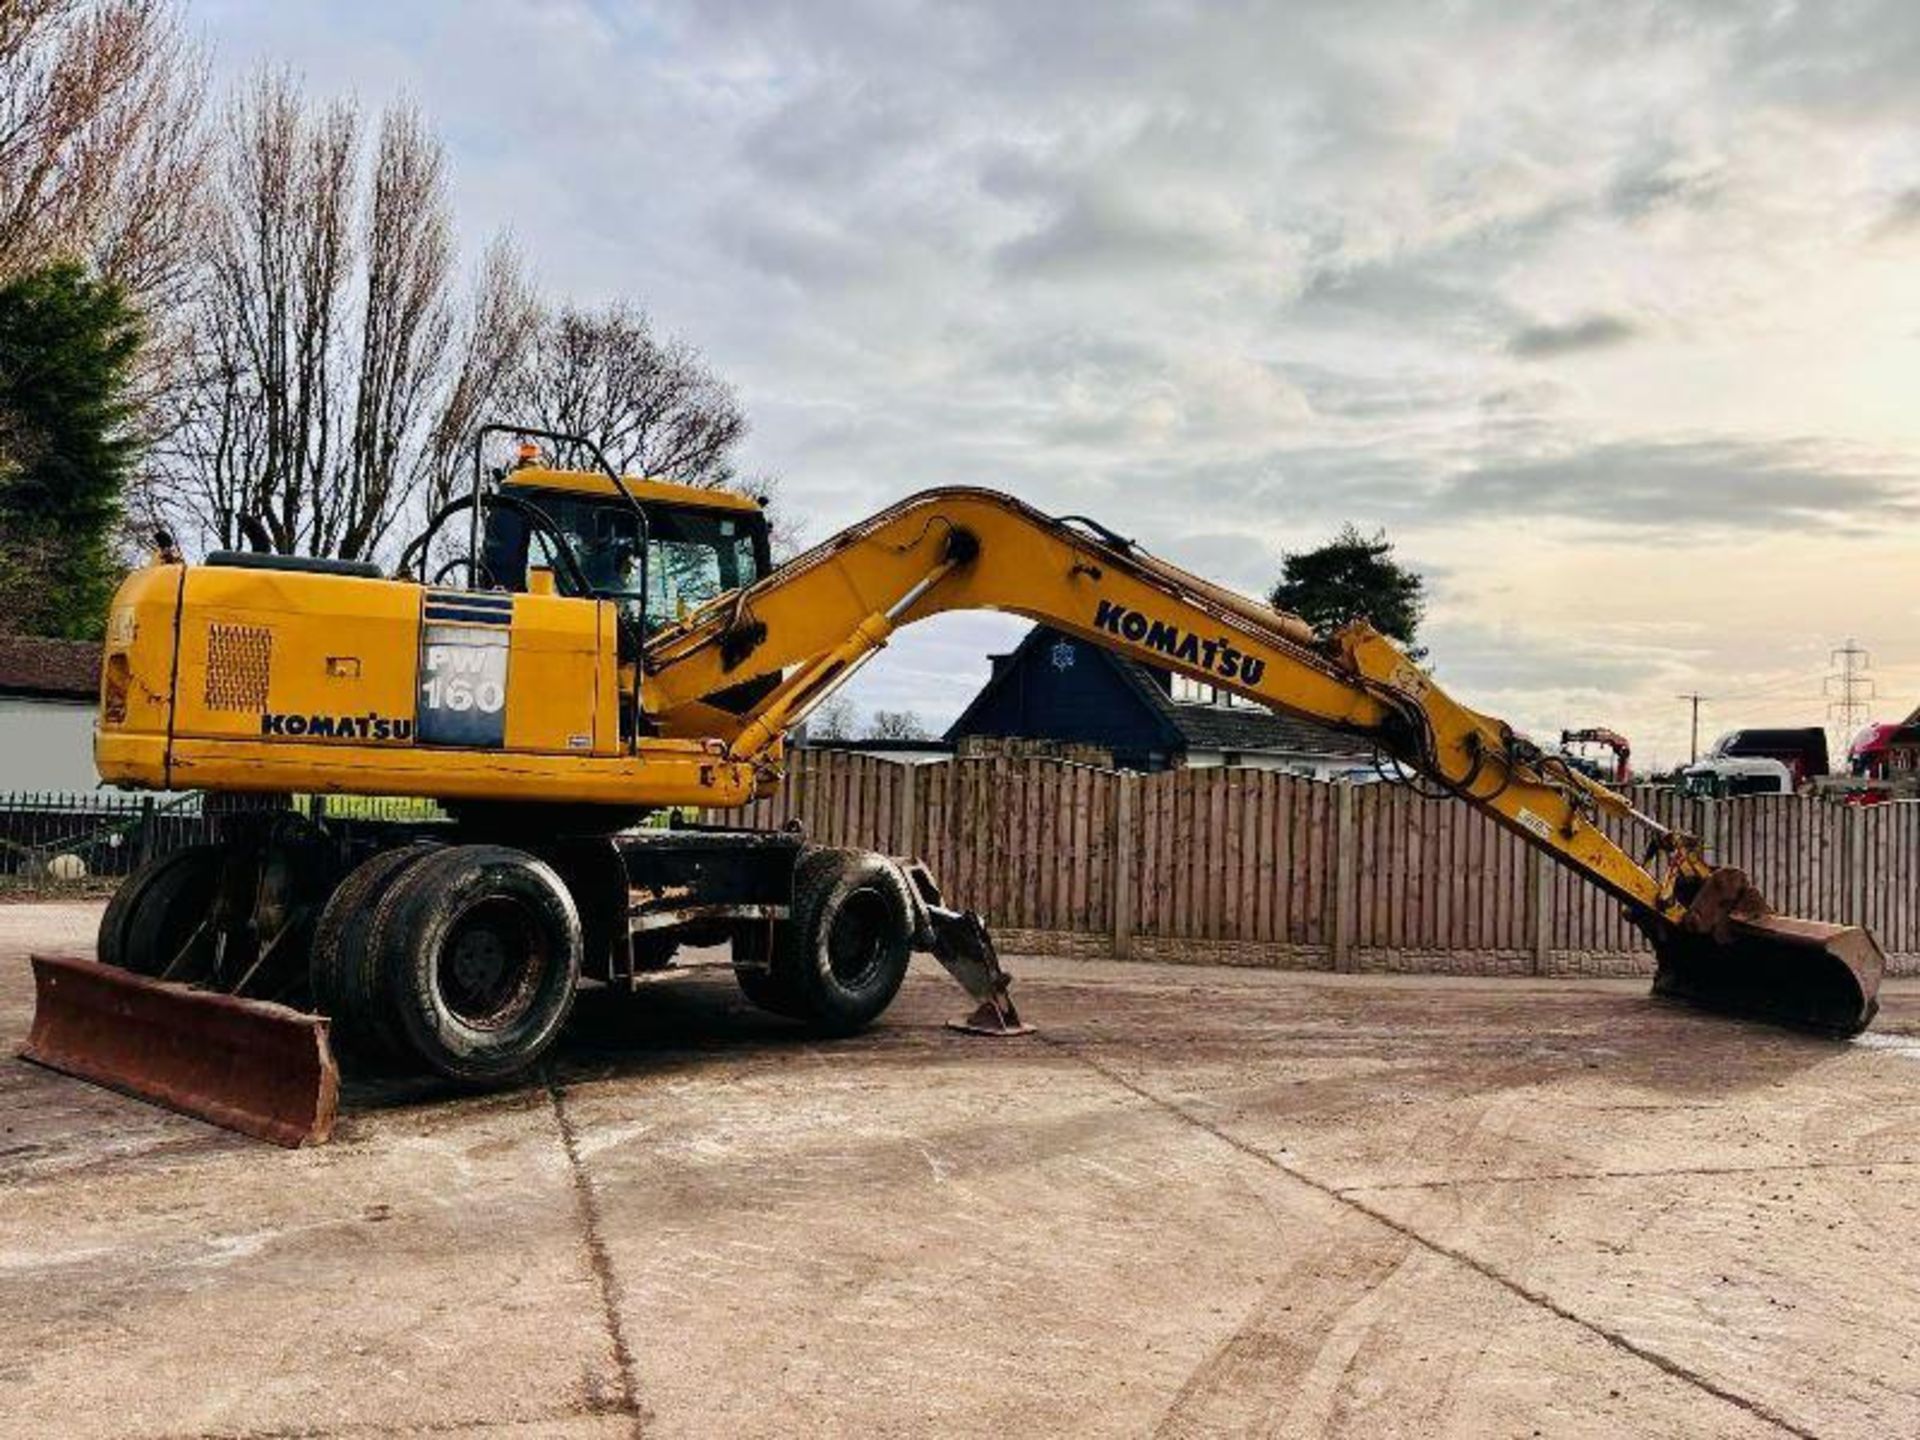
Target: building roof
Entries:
(49, 669)
(1238, 727)
(1197, 726)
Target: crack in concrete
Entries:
(627, 1401)
(1666, 1364)
(1678, 1171)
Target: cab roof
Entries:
(591, 483)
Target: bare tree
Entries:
(501, 317)
(101, 149)
(335, 363)
(833, 719)
(896, 725)
(336, 370)
(406, 321)
(650, 404)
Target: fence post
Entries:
(1540, 907)
(143, 847)
(1857, 879)
(904, 828)
(1126, 806)
(1345, 855)
(799, 773)
(1710, 830)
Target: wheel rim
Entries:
(857, 939)
(490, 965)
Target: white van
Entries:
(1722, 776)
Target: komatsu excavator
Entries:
(603, 647)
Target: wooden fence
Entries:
(1251, 867)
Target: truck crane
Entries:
(1607, 739)
(596, 647)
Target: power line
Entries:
(1769, 690)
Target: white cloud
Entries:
(1609, 313)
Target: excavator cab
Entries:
(678, 549)
(659, 550)
(654, 550)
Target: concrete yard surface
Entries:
(1199, 1202)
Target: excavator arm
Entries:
(805, 629)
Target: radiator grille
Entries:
(239, 661)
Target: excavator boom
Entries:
(816, 620)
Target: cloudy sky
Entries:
(1608, 313)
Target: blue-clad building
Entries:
(1056, 688)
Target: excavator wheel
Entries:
(343, 968)
(157, 919)
(479, 949)
(766, 989)
(839, 957)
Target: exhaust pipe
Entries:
(1731, 954)
(247, 1065)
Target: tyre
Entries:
(776, 993)
(156, 916)
(479, 950)
(110, 944)
(841, 954)
(343, 972)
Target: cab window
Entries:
(692, 556)
(605, 541)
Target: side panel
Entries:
(337, 658)
(553, 676)
(279, 655)
(257, 680)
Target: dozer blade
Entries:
(247, 1065)
(1732, 954)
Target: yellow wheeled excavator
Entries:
(601, 647)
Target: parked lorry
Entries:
(562, 653)
(1802, 749)
(1887, 752)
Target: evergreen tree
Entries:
(1352, 575)
(67, 345)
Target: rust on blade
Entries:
(1732, 953)
(247, 1065)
